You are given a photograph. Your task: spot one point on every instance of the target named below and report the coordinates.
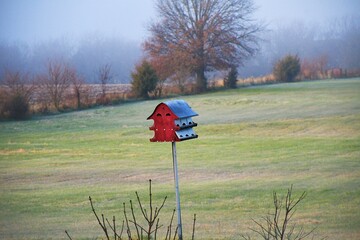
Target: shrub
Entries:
(276, 226)
(231, 79)
(16, 94)
(132, 227)
(287, 68)
(16, 107)
(144, 80)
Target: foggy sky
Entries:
(40, 20)
(307, 11)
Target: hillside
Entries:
(252, 141)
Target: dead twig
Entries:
(102, 225)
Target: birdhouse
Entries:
(173, 122)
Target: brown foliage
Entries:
(314, 68)
(201, 35)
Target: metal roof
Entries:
(180, 108)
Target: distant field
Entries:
(252, 141)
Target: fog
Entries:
(90, 33)
(39, 20)
(307, 11)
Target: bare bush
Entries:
(131, 228)
(277, 226)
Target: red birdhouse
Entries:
(173, 122)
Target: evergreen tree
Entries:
(231, 78)
(287, 68)
(144, 80)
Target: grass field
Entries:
(252, 141)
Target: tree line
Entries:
(86, 55)
(191, 42)
(58, 88)
(332, 45)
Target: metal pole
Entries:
(176, 180)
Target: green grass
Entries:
(252, 141)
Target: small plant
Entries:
(131, 228)
(277, 226)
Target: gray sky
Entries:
(40, 20)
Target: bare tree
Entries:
(203, 35)
(77, 84)
(19, 84)
(104, 78)
(56, 82)
(349, 48)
